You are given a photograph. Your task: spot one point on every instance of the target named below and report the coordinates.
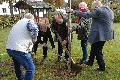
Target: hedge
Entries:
(7, 21)
(117, 16)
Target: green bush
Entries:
(116, 8)
(73, 18)
(7, 21)
(50, 15)
(117, 16)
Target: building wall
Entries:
(6, 8)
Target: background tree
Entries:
(75, 3)
(55, 3)
(52, 2)
(115, 6)
(59, 3)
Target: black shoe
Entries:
(100, 69)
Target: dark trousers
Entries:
(35, 46)
(60, 50)
(96, 51)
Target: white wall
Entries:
(6, 5)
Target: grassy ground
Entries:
(51, 71)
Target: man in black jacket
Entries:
(43, 35)
(58, 26)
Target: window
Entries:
(4, 10)
(41, 10)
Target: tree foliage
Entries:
(55, 3)
(7, 1)
(75, 3)
(116, 8)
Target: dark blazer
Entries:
(102, 21)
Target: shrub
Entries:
(116, 8)
(117, 16)
(7, 21)
(73, 17)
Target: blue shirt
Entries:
(33, 29)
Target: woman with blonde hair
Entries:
(19, 46)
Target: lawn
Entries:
(51, 71)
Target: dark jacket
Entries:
(44, 36)
(61, 29)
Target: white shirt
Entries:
(19, 38)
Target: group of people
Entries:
(94, 27)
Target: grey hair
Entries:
(83, 4)
(28, 16)
(96, 4)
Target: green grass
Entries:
(51, 71)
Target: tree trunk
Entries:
(11, 8)
(69, 36)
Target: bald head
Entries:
(59, 19)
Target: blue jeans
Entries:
(22, 59)
(84, 43)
